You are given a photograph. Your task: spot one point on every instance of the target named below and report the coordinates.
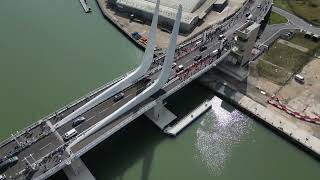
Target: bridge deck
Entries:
(45, 144)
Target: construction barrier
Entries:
(274, 101)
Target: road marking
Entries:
(103, 111)
(91, 118)
(45, 146)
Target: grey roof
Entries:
(148, 6)
(188, 5)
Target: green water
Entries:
(51, 53)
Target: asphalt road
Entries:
(297, 21)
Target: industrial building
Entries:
(193, 11)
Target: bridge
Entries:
(42, 149)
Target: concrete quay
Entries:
(266, 115)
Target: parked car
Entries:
(299, 78)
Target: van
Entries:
(70, 134)
(299, 78)
(118, 97)
(78, 121)
(180, 68)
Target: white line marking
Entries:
(45, 146)
(103, 110)
(91, 118)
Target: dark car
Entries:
(118, 97)
(197, 58)
(78, 121)
(202, 48)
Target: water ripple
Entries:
(219, 131)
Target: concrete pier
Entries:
(77, 170)
(177, 128)
(85, 6)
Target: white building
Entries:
(193, 11)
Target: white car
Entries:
(2, 177)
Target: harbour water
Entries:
(51, 53)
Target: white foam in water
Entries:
(219, 131)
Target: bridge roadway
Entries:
(49, 143)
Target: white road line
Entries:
(45, 146)
(91, 118)
(103, 110)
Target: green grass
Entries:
(289, 58)
(281, 61)
(300, 40)
(272, 72)
(309, 10)
(277, 19)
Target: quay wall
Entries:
(271, 119)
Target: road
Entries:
(296, 21)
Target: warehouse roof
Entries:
(165, 11)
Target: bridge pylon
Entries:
(160, 115)
(130, 79)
